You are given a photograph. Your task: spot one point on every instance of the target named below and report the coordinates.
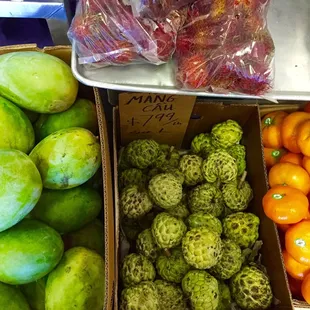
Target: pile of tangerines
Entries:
(286, 139)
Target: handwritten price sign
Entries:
(163, 118)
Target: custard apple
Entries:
(202, 248)
(135, 269)
(147, 246)
(190, 166)
(225, 297)
(206, 198)
(220, 167)
(132, 176)
(237, 195)
(134, 202)
(142, 153)
(131, 228)
(230, 261)
(242, 228)
(175, 171)
(170, 296)
(201, 219)
(180, 211)
(143, 296)
(167, 230)
(201, 145)
(238, 153)
(168, 157)
(251, 289)
(123, 163)
(226, 134)
(165, 190)
(172, 267)
(202, 290)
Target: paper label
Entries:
(163, 118)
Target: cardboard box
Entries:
(64, 53)
(204, 115)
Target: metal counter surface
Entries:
(289, 24)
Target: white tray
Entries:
(289, 24)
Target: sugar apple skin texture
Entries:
(167, 230)
(170, 296)
(220, 167)
(135, 202)
(135, 269)
(202, 248)
(142, 153)
(165, 190)
(201, 145)
(206, 198)
(147, 246)
(202, 289)
(242, 227)
(251, 289)
(201, 219)
(172, 268)
(143, 296)
(226, 134)
(190, 166)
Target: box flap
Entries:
(108, 204)
(64, 53)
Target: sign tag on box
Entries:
(163, 118)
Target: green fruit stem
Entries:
(167, 252)
(242, 179)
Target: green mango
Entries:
(77, 283)
(20, 188)
(90, 236)
(15, 127)
(28, 251)
(81, 114)
(67, 158)
(37, 82)
(68, 210)
(35, 293)
(11, 298)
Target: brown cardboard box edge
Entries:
(278, 276)
(64, 53)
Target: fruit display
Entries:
(218, 46)
(287, 201)
(191, 239)
(51, 240)
(24, 81)
(225, 46)
(121, 37)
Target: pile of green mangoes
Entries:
(51, 240)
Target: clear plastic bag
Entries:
(156, 9)
(225, 46)
(106, 33)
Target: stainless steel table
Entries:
(56, 12)
(289, 24)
